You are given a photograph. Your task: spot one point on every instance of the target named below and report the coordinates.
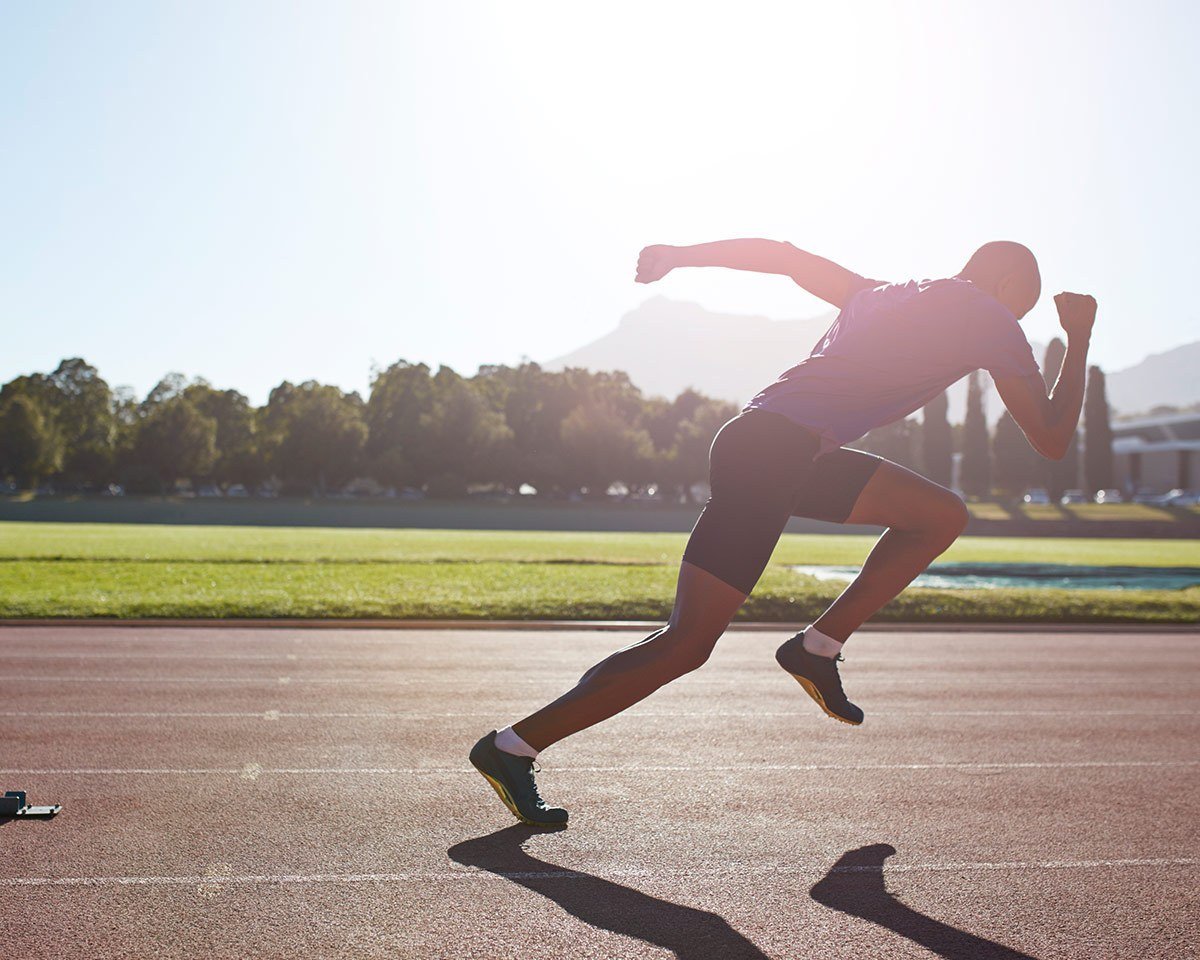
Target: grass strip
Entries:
(148, 542)
(516, 591)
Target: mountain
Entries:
(668, 345)
(1171, 378)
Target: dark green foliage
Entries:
(558, 431)
(30, 448)
(1097, 452)
(314, 435)
(237, 457)
(937, 448)
(1016, 466)
(176, 441)
(976, 452)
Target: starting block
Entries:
(13, 804)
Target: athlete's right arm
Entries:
(822, 278)
(1049, 422)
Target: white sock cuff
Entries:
(508, 741)
(821, 644)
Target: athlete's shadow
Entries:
(854, 885)
(690, 933)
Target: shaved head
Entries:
(1009, 272)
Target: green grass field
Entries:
(136, 570)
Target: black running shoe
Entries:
(819, 678)
(512, 779)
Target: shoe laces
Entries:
(531, 783)
(837, 677)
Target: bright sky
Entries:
(259, 191)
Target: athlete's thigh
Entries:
(897, 497)
(835, 485)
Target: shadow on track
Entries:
(692, 934)
(854, 885)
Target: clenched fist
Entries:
(1076, 313)
(654, 263)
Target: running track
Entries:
(305, 793)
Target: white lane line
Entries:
(678, 714)
(738, 768)
(14, 655)
(459, 681)
(477, 874)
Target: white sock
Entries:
(509, 742)
(820, 644)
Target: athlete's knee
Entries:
(942, 515)
(683, 651)
(953, 516)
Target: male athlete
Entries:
(892, 349)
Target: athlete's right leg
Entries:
(704, 605)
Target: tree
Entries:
(315, 435)
(1015, 464)
(1097, 450)
(1061, 474)
(976, 459)
(460, 436)
(694, 438)
(30, 446)
(83, 412)
(176, 440)
(400, 396)
(601, 447)
(238, 457)
(535, 403)
(936, 443)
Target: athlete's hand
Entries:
(654, 263)
(1076, 313)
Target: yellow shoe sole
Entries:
(811, 689)
(504, 796)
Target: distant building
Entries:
(1157, 453)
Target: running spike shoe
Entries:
(819, 678)
(512, 779)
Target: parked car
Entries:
(1073, 496)
(1182, 498)
(1036, 495)
(237, 490)
(1109, 496)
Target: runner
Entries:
(892, 349)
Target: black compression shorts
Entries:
(763, 469)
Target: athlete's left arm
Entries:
(822, 278)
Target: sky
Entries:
(253, 192)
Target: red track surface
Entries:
(291, 793)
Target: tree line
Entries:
(442, 433)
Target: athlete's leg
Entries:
(755, 463)
(704, 605)
(922, 518)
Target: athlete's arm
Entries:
(822, 278)
(1050, 421)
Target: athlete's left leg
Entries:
(923, 519)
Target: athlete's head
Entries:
(1009, 272)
